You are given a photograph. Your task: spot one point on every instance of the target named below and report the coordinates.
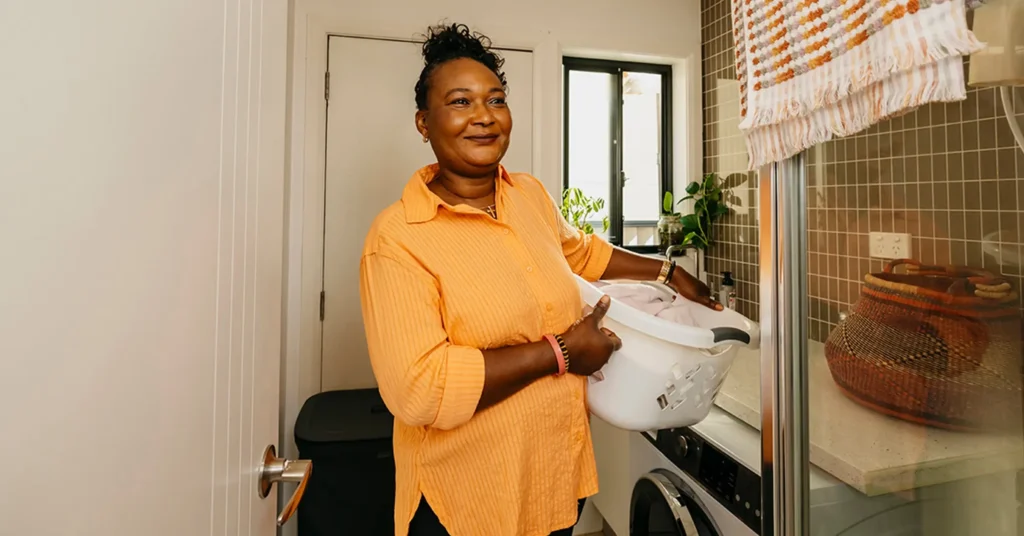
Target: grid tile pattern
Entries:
(735, 236)
(947, 173)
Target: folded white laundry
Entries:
(652, 300)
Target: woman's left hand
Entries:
(693, 289)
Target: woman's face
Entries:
(467, 120)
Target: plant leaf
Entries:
(666, 203)
(691, 238)
(692, 188)
(577, 207)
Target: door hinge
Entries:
(323, 301)
(327, 86)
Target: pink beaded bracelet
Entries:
(559, 354)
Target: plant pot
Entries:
(670, 231)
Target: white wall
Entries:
(665, 31)
(647, 27)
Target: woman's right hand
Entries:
(589, 344)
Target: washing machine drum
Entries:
(664, 505)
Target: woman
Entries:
(473, 319)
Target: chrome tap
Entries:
(676, 250)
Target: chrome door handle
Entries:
(276, 469)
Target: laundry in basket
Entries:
(654, 299)
(667, 374)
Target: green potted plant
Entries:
(708, 206)
(577, 208)
(670, 225)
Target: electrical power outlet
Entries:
(890, 245)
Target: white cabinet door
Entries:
(372, 150)
(611, 452)
(141, 223)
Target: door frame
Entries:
(301, 349)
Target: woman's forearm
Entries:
(628, 265)
(508, 370)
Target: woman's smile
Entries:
(483, 139)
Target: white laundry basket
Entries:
(666, 375)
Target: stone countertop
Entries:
(871, 452)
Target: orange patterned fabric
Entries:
(813, 69)
(439, 283)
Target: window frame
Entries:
(616, 182)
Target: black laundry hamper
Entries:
(351, 491)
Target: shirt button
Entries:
(505, 231)
(529, 269)
(549, 307)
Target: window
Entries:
(618, 140)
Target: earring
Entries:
(425, 139)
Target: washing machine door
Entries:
(664, 505)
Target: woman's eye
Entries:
(499, 101)
(461, 101)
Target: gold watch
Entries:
(666, 267)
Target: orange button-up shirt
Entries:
(440, 283)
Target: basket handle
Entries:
(993, 289)
(942, 270)
(985, 284)
(723, 334)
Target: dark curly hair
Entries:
(444, 43)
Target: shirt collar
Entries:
(420, 203)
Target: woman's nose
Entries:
(483, 115)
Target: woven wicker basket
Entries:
(936, 345)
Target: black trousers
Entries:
(425, 522)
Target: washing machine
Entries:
(705, 481)
(685, 485)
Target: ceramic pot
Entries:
(670, 231)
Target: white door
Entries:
(372, 150)
(141, 218)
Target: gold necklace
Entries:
(491, 210)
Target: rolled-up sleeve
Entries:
(424, 379)
(587, 255)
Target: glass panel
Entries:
(590, 136)
(914, 381)
(914, 377)
(641, 146)
(639, 234)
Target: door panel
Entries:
(613, 451)
(663, 505)
(372, 150)
(141, 218)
